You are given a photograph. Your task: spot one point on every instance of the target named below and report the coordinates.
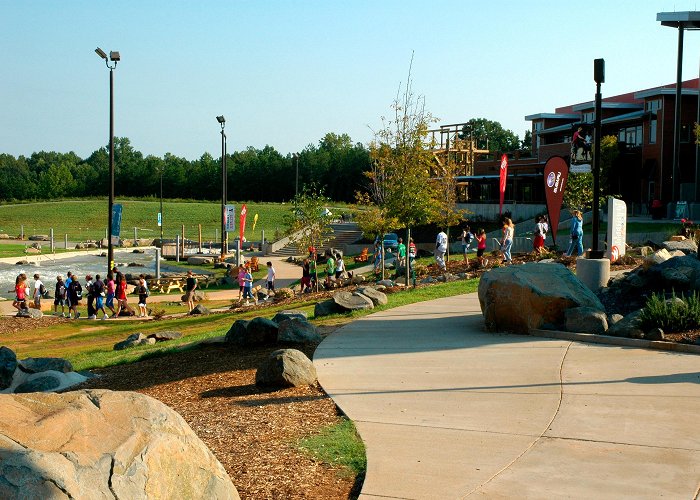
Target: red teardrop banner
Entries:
(556, 171)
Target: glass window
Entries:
(652, 131)
(653, 105)
(484, 191)
(588, 117)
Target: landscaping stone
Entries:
(357, 279)
(103, 444)
(22, 262)
(138, 250)
(629, 326)
(645, 251)
(297, 331)
(36, 365)
(282, 315)
(286, 368)
(8, 365)
(686, 246)
(165, 335)
(39, 237)
(237, 333)
(261, 331)
(199, 309)
(522, 298)
(428, 280)
(586, 320)
(199, 260)
(326, 308)
(43, 383)
(386, 283)
(4, 236)
(614, 318)
(131, 341)
(284, 293)
(198, 297)
(659, 256)
(352, 301)
(655, 334)
(378, 298)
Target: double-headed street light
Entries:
(222, 122)
(114, 58)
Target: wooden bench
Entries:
(364, 255)
(167, 285)
(254, 264)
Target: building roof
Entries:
(608, 105)
(665, 91)
(634, 115)
(686, 19)
(553, 116)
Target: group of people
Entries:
(101, 295)
(334, 270)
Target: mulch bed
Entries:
(252, 432)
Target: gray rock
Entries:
(131, 341)
(655, 334)
(30, 313)
(357, 279)
(326, 308)
(22, 262)
(282, 315)
(103, 444)
(8, 365)
(165, 335)
(261, 331)
(200, 309)
(428, 280)
(377, 297)
(137, 250)
(298, 331)
(386, 283)
(237, 333)
(148, 341)
(629, 326)
(675, 278)
(352, 301)
(42, 383)
(586, 320)
(614, 318)
(686, 246)
(645, 251)
(37, 365)
(522, 298)
(286, 368)
(199, 260)
(38, 237)
(198, 297)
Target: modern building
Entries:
(642, 121)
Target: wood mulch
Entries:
(252, 432)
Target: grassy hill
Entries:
(87, 219)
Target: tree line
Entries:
(336, 163)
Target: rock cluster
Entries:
(35, 374)
(345, 301)
(287, 327)
(137, 339)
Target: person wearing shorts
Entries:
(481, 247)
(190, 287)
(60, 296)
(111, 291)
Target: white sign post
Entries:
(617, 229)
(230, 217)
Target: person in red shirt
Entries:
(20, 302)
(122, 304)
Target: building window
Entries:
(652, 131)
(538, 127)
(652, 106)
(686, 132)
(484, 191)
(588, 117)
(631, 136)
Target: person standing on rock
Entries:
(440, 250)
(576, 243)
(190, 287)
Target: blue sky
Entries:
(284, 73)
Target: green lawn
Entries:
(87, 219)
(18, 249)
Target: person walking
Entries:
(306, 276)
(481, 247)
(122, 301)
(467, 238)
(98, 289)
(143, 297)
(59, 296)
(248, 288)
(75, 293)
(190, 287)
(111, 292)
(90, 297)
(21, 288)
(241, 281)
(270, 279)
(507, 241)
(69, 278)
(576, 243)
(440, 250)
(401, 253)
(340, 265)
(39, 291)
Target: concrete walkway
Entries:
(447, 410)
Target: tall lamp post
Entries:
(114, 58)
(222, 122)
(161, 205)
(598, 77)
(296, 177)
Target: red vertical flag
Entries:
(556, 172)
(504, 176)
(244, 211)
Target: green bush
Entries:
(674, 315)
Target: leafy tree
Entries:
(526, 144)
(490, 135)
(373, 220)
(17, 181)
(445, 183)
(579, 186)
(55, 182)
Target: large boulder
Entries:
(629, 326)
(286, 368)
(103, 444)
(378, 298)
(132, 340)
(165, 335)
(530, 296)
(297, 331)
(199, 260)
(350, 301)
(199, 309)
(686, 246)
(8, 365)
(261, 331)
(30, 313)
(237, 333)
(586, 320)
(326, 308)
(36, 365)
(282, 315)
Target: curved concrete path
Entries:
(447, 410)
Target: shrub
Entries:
(673, 315)
(284, 293)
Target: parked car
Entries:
(391, 241)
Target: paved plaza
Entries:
(447, 410)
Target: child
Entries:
(481, 247)
(306, 276)
(111, 291)
(143, 295)
(75, 292)
(60, 296)
(467, 238)
(247, 288)
(39, 291)
(20, 302)
(270, 278)
(98, 288)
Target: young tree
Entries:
(445, 184)
(373, 220)
(310, 223)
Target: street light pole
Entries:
(161, 205)
(115, 58)
(296, 182)
(222, 122)
(599, 77)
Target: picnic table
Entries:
(169, 283)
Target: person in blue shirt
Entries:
(576, 243)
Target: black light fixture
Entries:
(224, 176)
(115, 57)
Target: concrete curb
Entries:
(621, 341)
